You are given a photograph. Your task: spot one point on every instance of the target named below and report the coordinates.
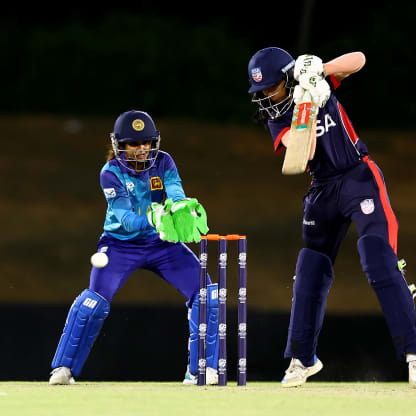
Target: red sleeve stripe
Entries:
(278, 140)
(347, 125)
(392, 224)
(335, 83)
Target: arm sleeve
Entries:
(278, 128)
(119, 203)
(172, 181)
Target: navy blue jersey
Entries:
(338, 148)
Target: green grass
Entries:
(151, 399)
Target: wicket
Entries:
(222, 308)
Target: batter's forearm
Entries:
(345, 65)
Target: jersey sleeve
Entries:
(278, 128)
(333, 83)
(119, 202)
(172, 180)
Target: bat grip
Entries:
(307, 98)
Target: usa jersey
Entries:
(130, 194)
(338, 148)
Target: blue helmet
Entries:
(266, 68)
(135, 126)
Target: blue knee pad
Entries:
(212, 330)
(379, 262)
(314, 277)
(83, 324)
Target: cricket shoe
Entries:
(412, 374)
(61, 375)
(297, 373)
(211, 377)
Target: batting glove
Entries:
(298, 93)
(308, 64)
(317, 86)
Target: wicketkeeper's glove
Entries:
(189, 219)
(160, 217)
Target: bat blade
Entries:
(300, 139)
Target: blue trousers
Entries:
(358, 196)
(175, 263)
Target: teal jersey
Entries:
(130, 194)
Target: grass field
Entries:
(263, 399)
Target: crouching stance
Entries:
(148, 220)
(347, 186)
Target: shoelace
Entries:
(295, 364)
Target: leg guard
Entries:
(82, 326)
(212, 330)
(379, 262)
(314, 276)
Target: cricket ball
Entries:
(99, 260)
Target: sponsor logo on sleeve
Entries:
(109, 192)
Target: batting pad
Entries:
(314, 277)
(212, 330)
(83, 324)
(379, 262)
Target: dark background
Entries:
(66, 74)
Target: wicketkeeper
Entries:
(148, 220)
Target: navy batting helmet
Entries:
(135, 126)
(267, 68)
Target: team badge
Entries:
(155, 183)
(138, 124)
(367, 206)
(256, 74)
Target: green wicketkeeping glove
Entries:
(201, 219)
(160, 218)
(189, 219)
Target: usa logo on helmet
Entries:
(256, 74)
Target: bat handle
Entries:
(307, 98)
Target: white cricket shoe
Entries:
(412, 374)
(61, 375)
(211, 377)
(297, 373)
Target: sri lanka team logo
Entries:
(256, 74)
(138, 124)
(155, 183)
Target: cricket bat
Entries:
(300, 139)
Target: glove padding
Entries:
(308, 64)
(160, 218)
(317, 87)
(189, 219)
